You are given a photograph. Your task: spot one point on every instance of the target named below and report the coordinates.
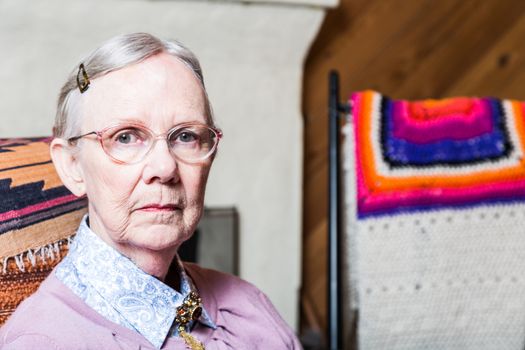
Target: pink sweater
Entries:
(55, 318)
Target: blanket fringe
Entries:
(46, 254)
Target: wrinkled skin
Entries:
(144, 210)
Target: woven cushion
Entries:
(37, 217)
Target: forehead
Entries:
(159, 92)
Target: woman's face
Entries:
(153, 205)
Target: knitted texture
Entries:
(435, 200)
(37, 217)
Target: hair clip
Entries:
(84, 84)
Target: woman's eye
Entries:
(127, 137)
(186, 136)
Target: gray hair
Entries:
(119, 52)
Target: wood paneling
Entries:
(408, 49)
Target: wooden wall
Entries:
(409, 49)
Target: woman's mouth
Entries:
(159, 207)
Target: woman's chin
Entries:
(158, 237)
(154, 215)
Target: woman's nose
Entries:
(160, 164)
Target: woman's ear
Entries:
(67, 166)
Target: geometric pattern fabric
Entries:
(425, 155)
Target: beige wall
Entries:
(252, 56)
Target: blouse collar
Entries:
(118, 289)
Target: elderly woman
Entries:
(134, 133)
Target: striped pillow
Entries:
(37, 217)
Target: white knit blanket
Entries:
(451, 278)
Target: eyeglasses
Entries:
(130, 143)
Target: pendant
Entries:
(190, 310)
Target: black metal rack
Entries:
(335, 286)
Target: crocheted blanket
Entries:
(435, 201)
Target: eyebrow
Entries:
(133, 120)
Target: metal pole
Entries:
(334, 210)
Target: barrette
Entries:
(84, 84)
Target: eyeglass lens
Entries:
(130, 144)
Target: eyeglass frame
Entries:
(156, 137)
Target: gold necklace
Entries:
(191, 309)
